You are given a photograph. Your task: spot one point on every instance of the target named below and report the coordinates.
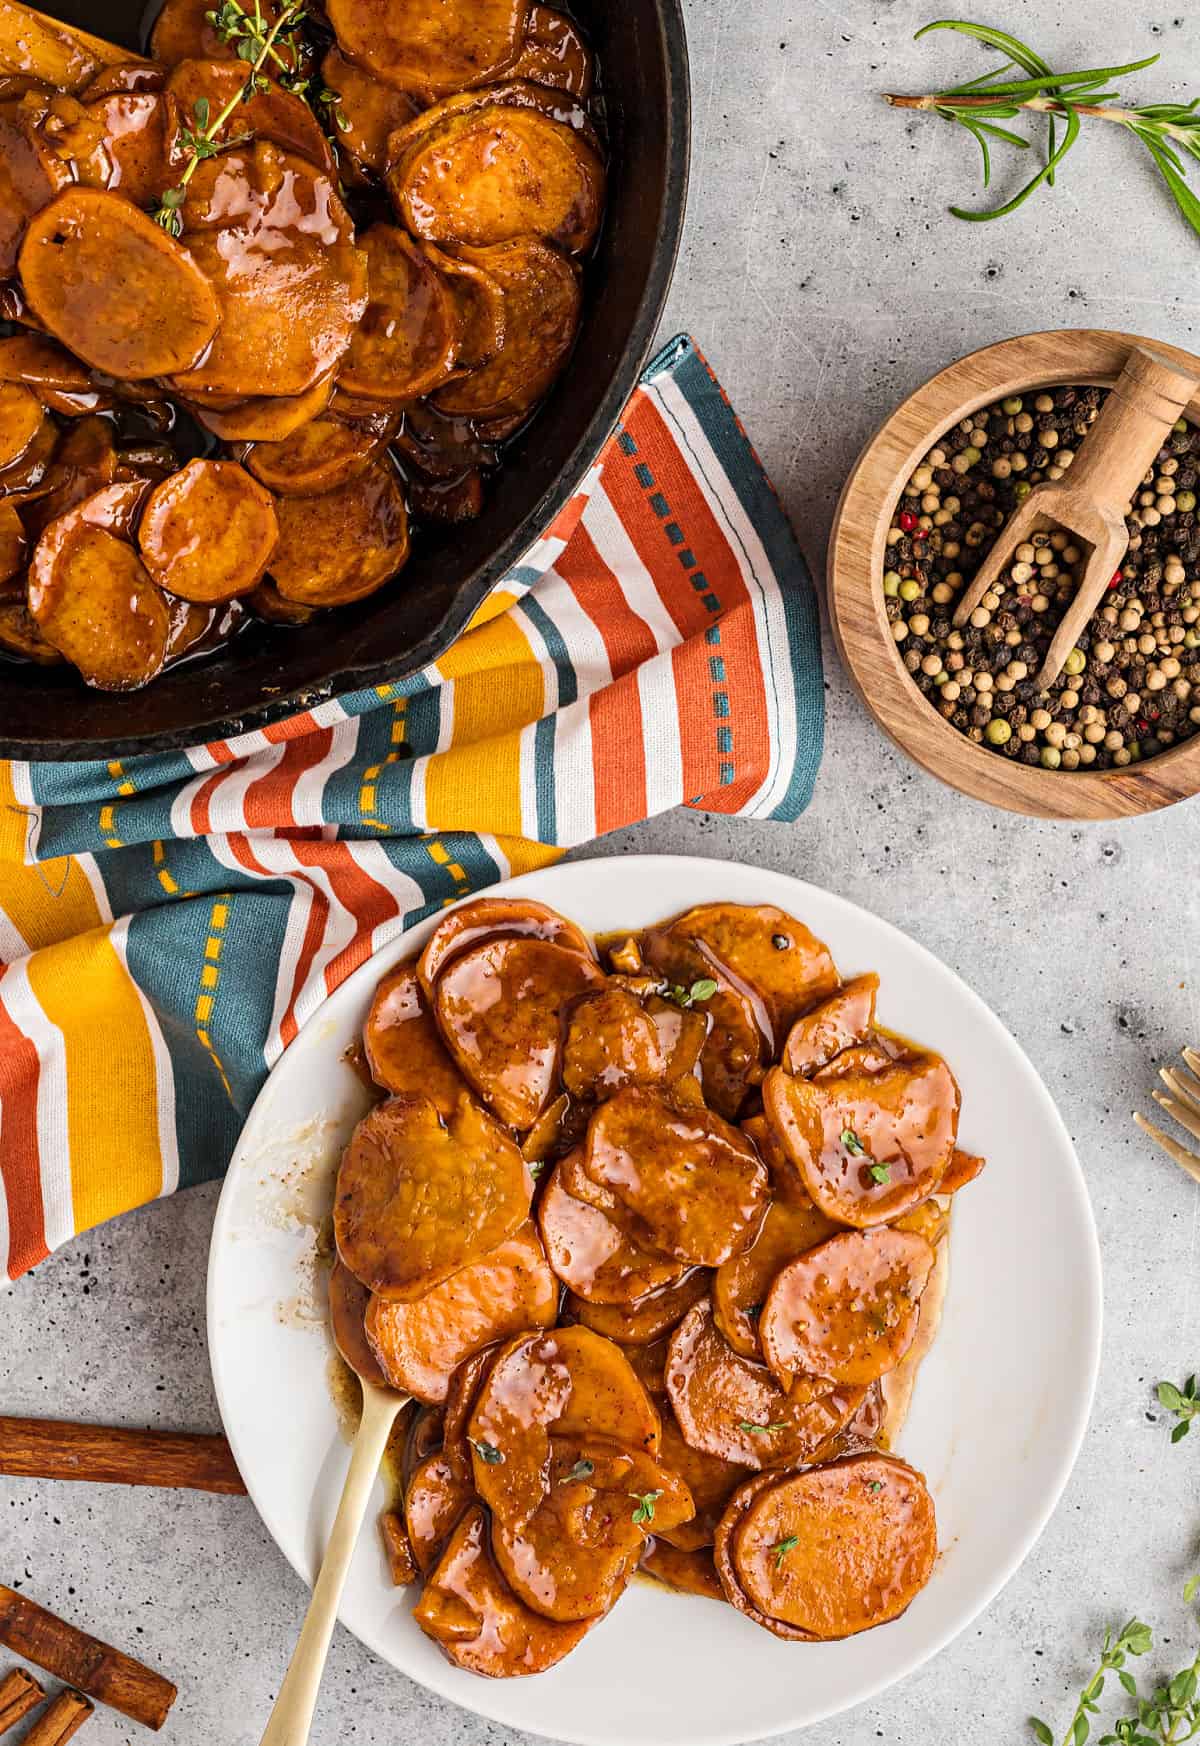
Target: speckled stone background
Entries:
(824, 279)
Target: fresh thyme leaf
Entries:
(487, 1453)
(704, 989)
(783, 1547)
(880, 1173)
(875, 1485)
(583, 1469)
(852, 1143)
(646, 1501)
(761, 1430)
(1041, 1731)
(1170, 132)
(1183, 1403)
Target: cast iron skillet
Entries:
(271, 671)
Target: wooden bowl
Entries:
(1083, 357)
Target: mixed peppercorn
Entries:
(1131, 686)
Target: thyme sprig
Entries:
(1167, 1717)
(1170, 132)
(1184, 1402)
(256, 44)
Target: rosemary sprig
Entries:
(1183, 1402)
(256, 43)
(1170, 132)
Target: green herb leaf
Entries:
(761, 1430)
(1189, 1589)
(646, 1501)
(880, 1173)
(201, 110)
(487, 1452)
(783, 1547)
(852, 1143)
(583, 1469)
(704, 989)
(1041, 1731)
(875, 1485)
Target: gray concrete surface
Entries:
(824, 280)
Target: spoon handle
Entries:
(1146, 399)
(292, 1715)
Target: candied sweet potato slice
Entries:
(13, 542)
(404, 1048)
(554, 53)
(92, 596)
(183, 31)
(278, 249)
(418, 1199)
(348, 1302)
(710, 1481)
(692, 1180)
(731, 1056)
(593, 1256)
(435, 1499)
(343, 545)
(418, 49)
(19, 635)
(272, 113)
(265, 418)
(611, 1042)
(372, 110)
(136, 130)
(31, 174)
(469, 923)
(741, 1284)
(542, 303)
(318, 457)
(485, 172)
(686, 1572)
(407, 339)
(21, 415)
(397, 1549)
(420, 1344)
(766, 953)
(480, 304)
(123, 76)
(870, 1142)
(647, 1318)
(85, 461)
(895, 1389)
(860, 1537)
(477, 1621)
(565, 1383)
(848, 1309)
(207, 532)
(964, 1167)
(845, 1019)
(574, 1555)
(734, 1408)
(85, 242)
(499, 1007)
(48, 368)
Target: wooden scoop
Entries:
(1089, 501)
(291, 1718)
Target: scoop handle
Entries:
(1146, 399)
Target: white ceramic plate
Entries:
(997, 1419)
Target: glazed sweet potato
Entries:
(870, 1135)
(732, 1407)
(277, 247)
(611, 1042)
(731, 1059)
(436, 1498)
(416, 49)
(593, 1256)
(31, 174)
(647, 1318)
(404, 1048)
(397, 1549)
(207, 532)
(19, 635)
(685, 1572)
(574, 1555)
(348, 1302)
(848, 1309)
(741, 1284)
(964, 1167)
(843, 1020)
(488, 171)
(343, 545)
(477, 1621)
(13, 542)
(136, 133)
(420, 1344)
(779, 963)
(272, 113)
(710, 1481)
(59, 380)
(692, 1180)
(92, 596)
(542, 304)
(498, 1007)
(554, 53)
(416, 1199)
(41, 48)
(480, 306)
(318, 457)
(21, 415)
(123, 77)
(407, 340)
(85, 242)
(29, 477)
(829, 1552)
(562, 1384)
(85, 461)
(265, 418)
(469, 923)
(183, 31)
(372, 110)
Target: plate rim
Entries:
(670, 866)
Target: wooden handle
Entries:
(292, 1716)
(1147, 398)
(56, 1449)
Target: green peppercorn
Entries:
(1012, 405)
(971, 455)
(909, 589)
(1021, 490)
(1185, 501)
(997, 732)
(1075, 662)
(1051, 758)
(891, 584)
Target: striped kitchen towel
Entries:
(169, 921)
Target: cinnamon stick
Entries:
(57, 1449)
(95, 1667)
(19, 1693)
(54, 1727)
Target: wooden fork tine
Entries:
(1187, 1117)
(1187, 1090)
(1191, 1059)
(1186, 1160)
